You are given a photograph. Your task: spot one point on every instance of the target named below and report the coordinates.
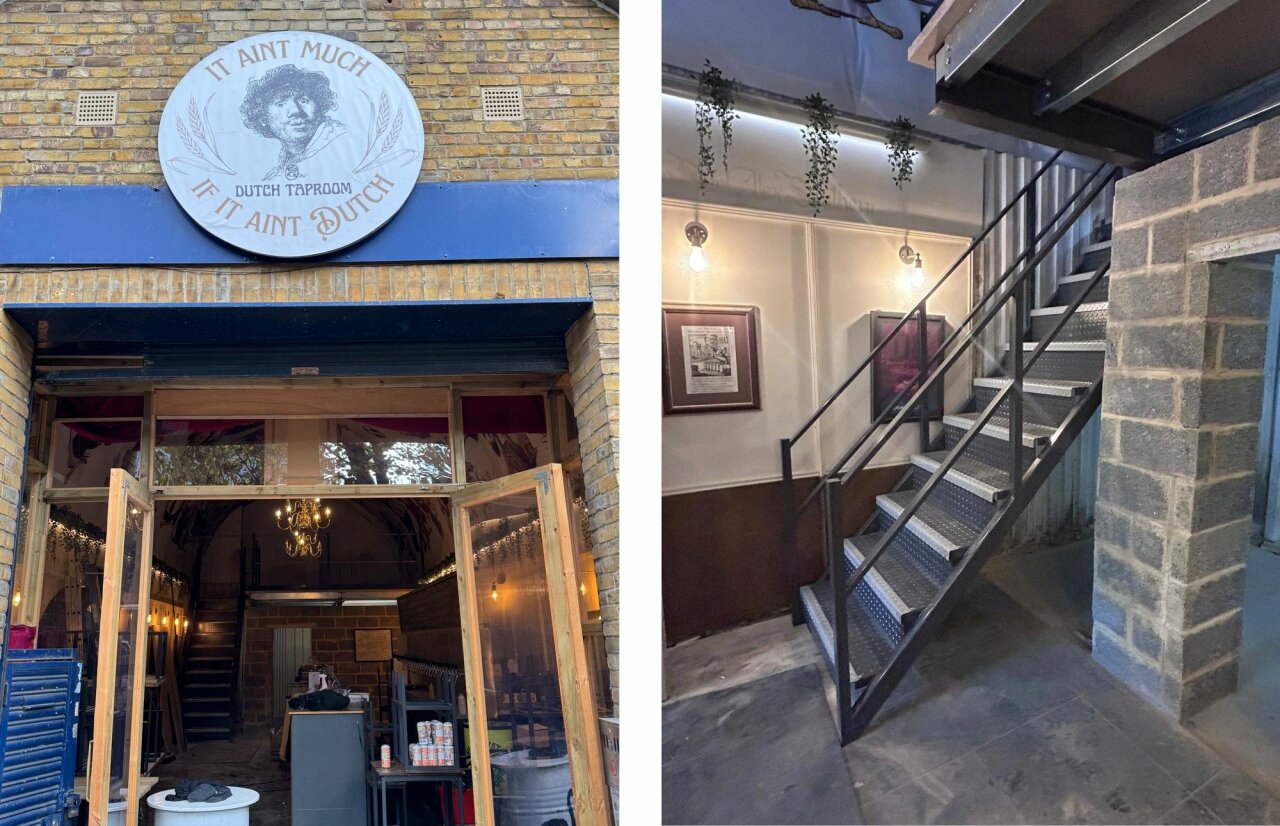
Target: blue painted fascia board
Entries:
(49, 226)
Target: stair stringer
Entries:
(855, 719)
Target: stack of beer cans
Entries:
(434, 746)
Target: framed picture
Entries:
(897, 367)
(373, 645)
(710, 359)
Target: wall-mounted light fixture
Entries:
(915, 276)
(697, 235)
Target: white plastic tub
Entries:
(234, 811)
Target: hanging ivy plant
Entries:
(715, 103)
(820, 145)
(902, 150)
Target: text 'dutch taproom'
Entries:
(291, 144)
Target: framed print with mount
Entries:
(897, 367)
(710, 359)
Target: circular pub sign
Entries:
(291, 144)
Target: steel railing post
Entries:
(923, 334)
(840, 614)
(1015, 394)
(791, 564)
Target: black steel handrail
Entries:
(854, 719)
(954, 454)
(970, 339)
(929, 379)
(921, 303)
(851, 719)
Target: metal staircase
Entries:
(888, 588)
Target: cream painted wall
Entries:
(759, 261)
(814, 282)
(857, 270)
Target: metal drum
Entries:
(531, 790)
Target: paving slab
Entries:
(764, 752)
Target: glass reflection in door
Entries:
(115, 755)
(528, 682)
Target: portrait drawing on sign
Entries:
(292, 106)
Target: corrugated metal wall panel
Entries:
(290, 648)
(38, 734)
(1063, 509)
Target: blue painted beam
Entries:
(481, 221)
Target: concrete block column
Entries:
(1182, 395)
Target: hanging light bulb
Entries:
(165, 621)
(186, 623)
(582, 588)
(697, 235)
(493, 595)
(917, 276)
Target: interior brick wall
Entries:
(332, 643)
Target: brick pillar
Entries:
(1189, 300)
(15, 407)
(592, 344)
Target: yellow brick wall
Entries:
(592, 343)
(15, 406)
(563, 54)
(207, 285)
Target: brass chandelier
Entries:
(303, 520)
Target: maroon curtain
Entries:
(503, 414)
(99, 407)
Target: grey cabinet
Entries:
(328, 760)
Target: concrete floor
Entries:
(246, 761)
(1244, 728)
(1005, 719)
(780, 720)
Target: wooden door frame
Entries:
(124, 492)
(591, 801)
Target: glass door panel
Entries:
(528, 683)
(115, 754)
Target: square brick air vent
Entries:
(502, 103)
(96, 109)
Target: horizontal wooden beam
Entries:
(302, 403)
(934, 33)
(206, 492)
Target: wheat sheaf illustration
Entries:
(199, 141)
(383, 130)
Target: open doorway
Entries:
(303, 576)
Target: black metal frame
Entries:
(855, 717)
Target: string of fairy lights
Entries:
(87, 549)
(510, 544)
